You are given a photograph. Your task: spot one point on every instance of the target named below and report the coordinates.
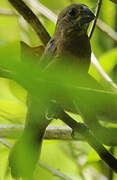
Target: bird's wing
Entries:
(48, 55)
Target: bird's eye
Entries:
(72, 12)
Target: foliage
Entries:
(72, 158)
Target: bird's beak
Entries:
(86, 15)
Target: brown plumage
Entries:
(70, 37)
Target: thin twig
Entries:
(105, 76)
(32, 19)
(7, 12)
(5, 143)
(107, 30)
(43, 10)
(96, 17)
(54, 172)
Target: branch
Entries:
(64, 133)
(96, 17)
(54, 171)
(52, 132)
(32, 19)
(81, 129)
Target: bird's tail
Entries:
(24, 156)
(25, 153)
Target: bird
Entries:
(64, 67)
(68, 56)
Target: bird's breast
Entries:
(77, 47)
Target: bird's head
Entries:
(74, 19)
